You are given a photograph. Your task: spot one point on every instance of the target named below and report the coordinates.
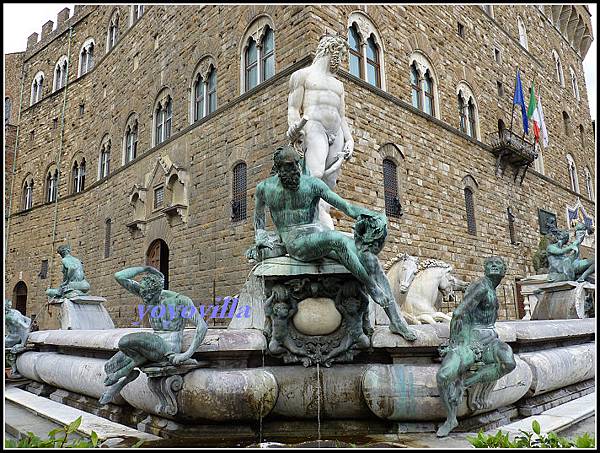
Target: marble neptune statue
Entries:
(316, 117)
(292, 199)
(74, 282)
(164, 344)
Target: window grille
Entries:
(238, 203)
(470, 208)
(511, 226)
(107, 233)
(159, 196)
(44, 270)
(393, 207)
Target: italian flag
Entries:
(534, 114)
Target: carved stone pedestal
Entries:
(82, 313)
(530, 291)
(165, 380)
(565, 300)
(315, 313)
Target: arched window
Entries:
(163, 116)
(573, 173)
(566, 123)
(52, 185)
(107, 239)
(27, 200)
(373, 65)
(365, 50)
(157, 256)
(462, 113)
(355, 55)
(136, 12)
(78, 176)
(415, 86)
(470, 209)
(36, 88)
(204, 92)
(574, 83)
(268, 55)
(582, 135)
(7, 110)
(60, 73)
(588, 184)
(251, 67)
(238, 202)
(522, 33)
(423, 84)
(390, 188)
(113, 31)
(86, 57)
(104, 161)
(257, 53)
(560, 78)
(131, 139)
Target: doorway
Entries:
(157, 256)
(20, 298)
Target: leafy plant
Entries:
(33, 441)
(530, 440)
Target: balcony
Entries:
(511, 149)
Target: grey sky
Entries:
(20, 20)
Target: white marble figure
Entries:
(417, 286)
(316, 117)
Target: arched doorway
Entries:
(19, 301)
(158, 257)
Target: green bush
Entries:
(55, 439)
(530, 440)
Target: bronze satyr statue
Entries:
(563, 259)
(74, 282)
(163, 346)
(473, 341)
(293, 199)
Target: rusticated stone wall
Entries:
(206, 252)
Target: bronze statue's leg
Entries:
(144, 347)
(110, 393)
(499, 361)
(451, 387)
(587, 266)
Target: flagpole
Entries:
(533, 85)
(512, 116)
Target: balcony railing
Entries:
(510, 148)
(514, 147)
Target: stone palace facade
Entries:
(143, 131)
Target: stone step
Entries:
(63, 415)
(556, 419)
(20, 421)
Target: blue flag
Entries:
(519, 99)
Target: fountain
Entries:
(318, 298)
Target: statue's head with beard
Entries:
(333, 46)
(287, 167)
